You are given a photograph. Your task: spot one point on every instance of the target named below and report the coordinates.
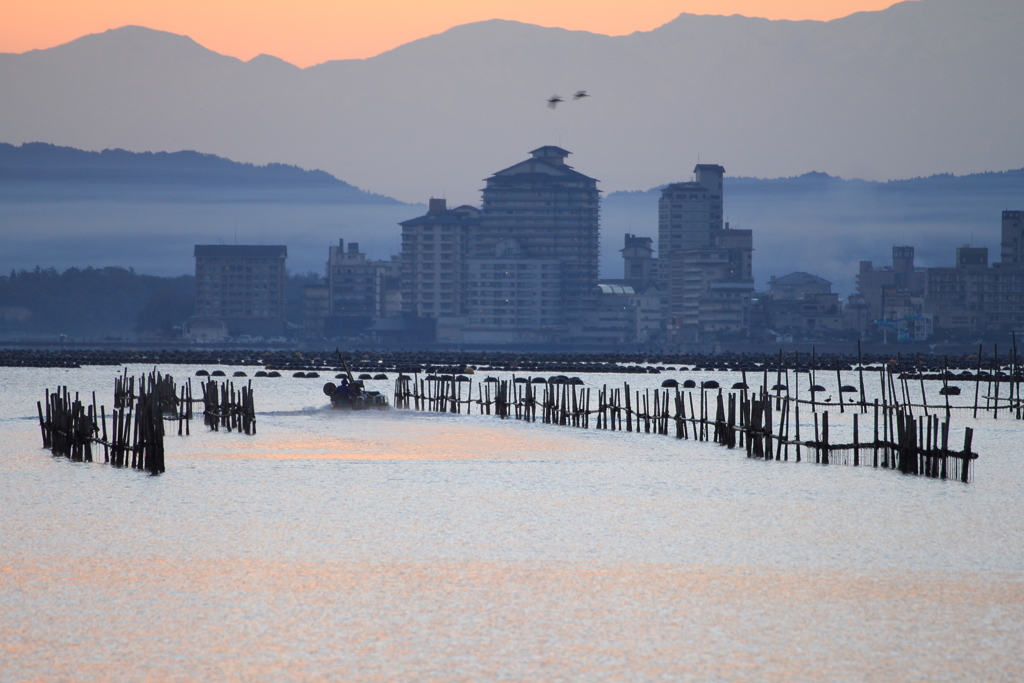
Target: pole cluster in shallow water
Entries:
(226, 408)
(142, 404)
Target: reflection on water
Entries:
(409, 546)
(245, 619)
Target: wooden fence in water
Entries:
(896, 437)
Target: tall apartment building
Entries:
(1012, 249)
(542, 209)
(434, 262)
(704, 268)
(355, 284)
(243, 286)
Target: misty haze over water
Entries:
(66, 208)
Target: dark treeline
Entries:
(96, 303)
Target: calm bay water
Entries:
(415, 546)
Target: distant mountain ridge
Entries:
(817, 181)
(40, 162)
(922, 87)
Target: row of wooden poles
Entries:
(70, 427)
(992, 402)
(900, 440)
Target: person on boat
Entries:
(343, 392)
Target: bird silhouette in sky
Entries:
(580, 94)
(553, 101)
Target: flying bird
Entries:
(580, 94)
(553, 101)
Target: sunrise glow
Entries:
(307, 32)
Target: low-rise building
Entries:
(973, 298)
(875, 283)
(802, 303)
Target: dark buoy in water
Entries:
(312, 375)
(261, 373)
(273, 373)
(217, 373)
(365, 376)
(689, 384)
(238, 373)
(710, 384)
(380, 376)
(670, 383)
(329, 388)
(847, 389)
(202, 373)
(949, 391)
(740, 385)
(817, 387)
(299, 374)
(780, 387)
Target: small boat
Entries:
(352, 394)
(356, 398)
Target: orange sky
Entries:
(306, 32)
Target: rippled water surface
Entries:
(419, 546)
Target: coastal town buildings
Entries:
(967, 299)
(242, 286)
(973, 297)
(803, 303)
(639, 265)
(359, 291)
(877, 285)
(434, 260)
(513, 299)
(704, 267)
(355, 284)
(1011, 252)
(316, 308)
(543, 215)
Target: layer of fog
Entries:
(822, 226)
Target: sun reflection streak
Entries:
(239, 618)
